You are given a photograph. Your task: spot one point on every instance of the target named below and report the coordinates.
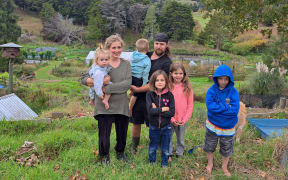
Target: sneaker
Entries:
(105, 160)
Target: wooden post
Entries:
(10, 84)
(287, 103)
(282, 102)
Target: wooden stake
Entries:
(10, 84)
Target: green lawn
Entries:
(45, 73)
(200, 85)
(69, 144)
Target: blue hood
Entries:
(137, 56)
(223, 70)
(222, 105)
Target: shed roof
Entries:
(12, 108)
(10, 45)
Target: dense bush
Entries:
(267, 82)
(246, 47)
(276, 54)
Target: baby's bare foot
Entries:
(106, 104)
(91, 103)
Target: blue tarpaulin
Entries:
(270, 128)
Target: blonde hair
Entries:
(154, 77)
(113, 38)
(142, 45)
(100, 50)
(187, 87)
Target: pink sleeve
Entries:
(189, 109)
(172, 119)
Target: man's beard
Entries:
(159, 52)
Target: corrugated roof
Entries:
(124, 55)
(12, 45)
(12, 108)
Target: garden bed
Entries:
(260, 101)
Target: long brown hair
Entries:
(187, 87)
(154, 77)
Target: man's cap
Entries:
(161, 37)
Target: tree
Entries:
(248, 14)
(177, 21)
(216, 29)
(150, 24)
(47, 11)
(136, 17)
(96, 24)
(10, 31)
(276, 54)
(60, 29)
(145, 2)
(115, 14)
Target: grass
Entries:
(69, 144)
(29, 21)
(45, 73)
(202, 84)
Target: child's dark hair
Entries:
(154, 77)
(187, 87)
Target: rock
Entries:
(27, 155)
(56, 115)
(284, 161)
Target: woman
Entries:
(120, 76)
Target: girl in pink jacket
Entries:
(183, 95)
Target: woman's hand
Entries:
(165, 109)
(107, 80)
(153, 105)
(90, 82)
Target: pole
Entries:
(10, 84)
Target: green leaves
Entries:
(96, 23)
(177, 21)
(10, 31)
(248, 14)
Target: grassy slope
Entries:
(29, 22)
(70, 144)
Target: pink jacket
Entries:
(183, 106)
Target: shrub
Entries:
(244, 48)
(33, 54)
(41, 54)
(267, 82)
(227, 45)
(48, 55)
(25, 54)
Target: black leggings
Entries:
(104, 125)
